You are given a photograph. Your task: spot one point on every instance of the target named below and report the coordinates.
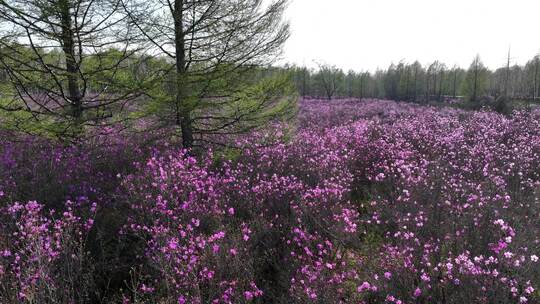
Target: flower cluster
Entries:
(39, 250)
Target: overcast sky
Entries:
(366, 34)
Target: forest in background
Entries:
(415, 82)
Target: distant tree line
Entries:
(423, 83)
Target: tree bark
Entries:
(536, 87)
(183, 112)
(475, 81)
(441, 79)
(407, 85)
(427, 87)
(68, 47)
(304, 82)
(455, 82)
(361, 86)
(415, 82)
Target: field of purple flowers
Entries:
(353, 202)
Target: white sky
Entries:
(366, 34)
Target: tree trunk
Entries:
(68, 47)
(361, 87)
(183, 112)
(415, 82)
(441, 78)
(304, 81)
(407, 85)
(507, 79)
(434, 85)
(475, 82)
(427, 88)
(536, 87)
(454, 87)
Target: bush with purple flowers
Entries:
(355, 202)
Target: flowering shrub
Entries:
(356, 202)
(221, 234)
(73, 185)
(457, 222)
(42, 257)
(33, 168)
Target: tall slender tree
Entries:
(215, 49)
(65, 60)
(363, 81)
(507, 77)
(330, 78)
(454, 80)
(417, 69)
(533, 69)
(442, 75)
(476, 80)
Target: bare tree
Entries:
(407, 81)
(536, 76)
(417, 69)
(363, 79)
(442, 71)
(475, 80)
(65, 59)
(215, 48)
(454, 80)
(507, 77)
(305, 75)
(329, 77)
(429, 71)
(351, 75)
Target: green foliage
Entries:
(269, 99)
(113, 71)
(232, 102)
(26, 122)
(476, 81)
